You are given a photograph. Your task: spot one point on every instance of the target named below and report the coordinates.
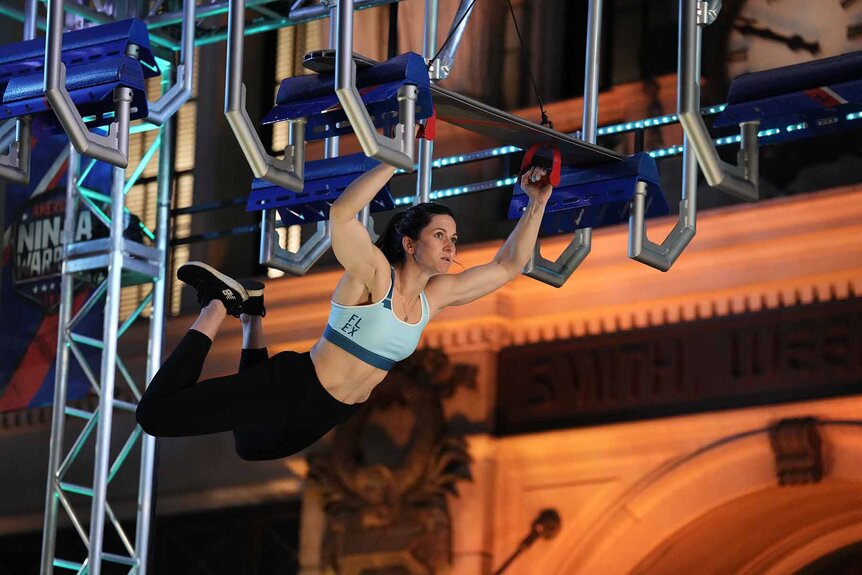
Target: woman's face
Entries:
(435, 247)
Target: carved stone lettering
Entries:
(766, 357)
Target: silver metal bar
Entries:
(127, 376)
(79, 413)
(155, 344)
(79, 527)
(124, 452)
(442, 66)
(266, 12)
(397, 151)
(557, 272)
(287, 173)
(31, 13)
(181, 91)
(424, 173)
(92, 300)
(125, 406)
(426, 147)
(734, 180)
(591, 74)
(276, 257)
(58, 419)
(271, 253)
(108, 374)
(15, 165)
(85, 367)
(429, 35)
(113, 148)
(331, 144)
(8, 134)
(663, 256)
(299, 14)
(76, 447)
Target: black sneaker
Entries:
(254, 304)
(212, 284)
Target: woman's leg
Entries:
(183, 366)
(253, 342)
(175, 403)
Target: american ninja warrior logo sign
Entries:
(37, 241)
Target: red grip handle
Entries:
(552, 177)
(428, 130)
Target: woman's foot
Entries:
(253, 306)
(211, 285)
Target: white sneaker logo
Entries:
(227, 294)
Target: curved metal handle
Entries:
(15, 166)
(557, 272)
(274, 256)
(288, 172)
(113, 148)
(396, 151)
(172, 100)
(663, 256)
(741, 180)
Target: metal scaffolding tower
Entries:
(128, 262)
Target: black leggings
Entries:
(274, 406)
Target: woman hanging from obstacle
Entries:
(279, 405)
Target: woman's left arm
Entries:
(471, 284)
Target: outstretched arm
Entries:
(510, 259)
(350, 240)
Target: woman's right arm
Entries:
(350, 240)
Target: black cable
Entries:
(525, 54)
(393, 30)
(451, 32)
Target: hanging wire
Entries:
(525, 54)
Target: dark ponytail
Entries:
(409, 223)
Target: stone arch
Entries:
(661, 505)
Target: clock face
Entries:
(773, 33)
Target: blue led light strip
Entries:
(612, 129)
(661, 153)
(654, 122)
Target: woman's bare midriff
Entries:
(346, 377)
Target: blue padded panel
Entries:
(409, 67)
(95, 64)
(796, 78)
(313, 97)
(90, 86)
(819, 93)
(80, 46)
(325, 180)
(598, 196)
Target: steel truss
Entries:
(127, 262)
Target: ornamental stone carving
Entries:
(391, 466)
(798, 451)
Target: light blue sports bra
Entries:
(373, 332)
